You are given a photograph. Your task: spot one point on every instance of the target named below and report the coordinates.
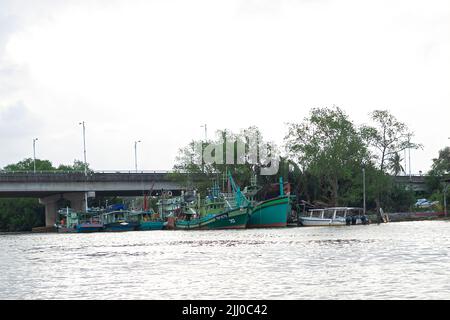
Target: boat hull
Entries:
(89, 227)
(270, 213)
(151, 225)
(121, 226)
(233, 219)
(319, 222)
(61, 229)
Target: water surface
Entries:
(406, 260)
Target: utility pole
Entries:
(135, 155)
(34, 154)
(445, 199)
(364, 189)
(206, 139)
(206, 132)
(409, 154)
(85, 163)
(406, 164)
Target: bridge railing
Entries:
(26, 172)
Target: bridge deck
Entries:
(41, 184)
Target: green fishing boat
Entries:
(219, 211)
(232, 219)
(147, 220)
(271, 212)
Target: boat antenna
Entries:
(240, 197)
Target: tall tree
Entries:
(387, 137)
(327, 145)
(232, 154)
(439, 169)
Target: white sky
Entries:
(157, 70)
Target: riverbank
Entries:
(412, 216)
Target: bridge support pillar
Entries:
(76, 201)
(51, 205)
(51, 209)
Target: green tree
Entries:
(189, 159)
(77, 166)
(386, 138)
(395, 164)
(440, 170)
(21, 214)
(28, 165)
(328, 147)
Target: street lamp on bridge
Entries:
(34, 154)
(85, 162)
(135, 155)
(206, 131)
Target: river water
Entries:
(405, 260)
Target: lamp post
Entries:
(85, 162)
(135, 155)
(84, 146)
(206, 131)
(34, 154)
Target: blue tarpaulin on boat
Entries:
(117, 207)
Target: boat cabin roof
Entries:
(337, 208)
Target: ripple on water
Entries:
(394, 261)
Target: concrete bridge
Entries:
(50, 187)
(413, 182)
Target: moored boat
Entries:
(219, 211)
(273, 210)
(270, 213)
(147, 220)
(86, 227)
(235, 218)
(338, 216)
(81, 222)
(118, 221)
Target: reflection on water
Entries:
(398, 260)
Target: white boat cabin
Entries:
(336, 216)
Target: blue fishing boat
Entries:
(119, 221)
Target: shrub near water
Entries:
(21, 214)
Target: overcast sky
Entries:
(157, 70)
